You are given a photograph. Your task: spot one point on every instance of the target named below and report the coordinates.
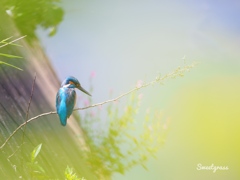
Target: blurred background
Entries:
(125, 41)
(117, 43)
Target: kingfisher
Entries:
(66, 98)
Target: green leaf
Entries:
(40, 168)
(70, 175)
(35, 152)
(1, 62)
(13, 44)
(4, 40)
(9, 55)
(144, 167)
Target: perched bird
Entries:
(66, 98)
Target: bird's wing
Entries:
(58, 100)
(70, 101)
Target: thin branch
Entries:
(20, 126)
(29, 103)
(13, 41)
(27, 113)
(14, 152)
(176, 73)
(30, 100)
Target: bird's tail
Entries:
(63, 119)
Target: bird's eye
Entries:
(70, 82)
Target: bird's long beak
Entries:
(83, 90)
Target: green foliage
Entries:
(5, 42)
(29, 14)
(120, 145)
(70, 175)
(35, 153)
(35, 169)
(1, 62)
(9, 55)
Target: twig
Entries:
(20, 126)
(14, 152)
(27, 113)
(29, 103)
(13, 41)
(177, 72)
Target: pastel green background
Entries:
(126, 41)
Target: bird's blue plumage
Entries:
(66, 98)
(65, 101)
